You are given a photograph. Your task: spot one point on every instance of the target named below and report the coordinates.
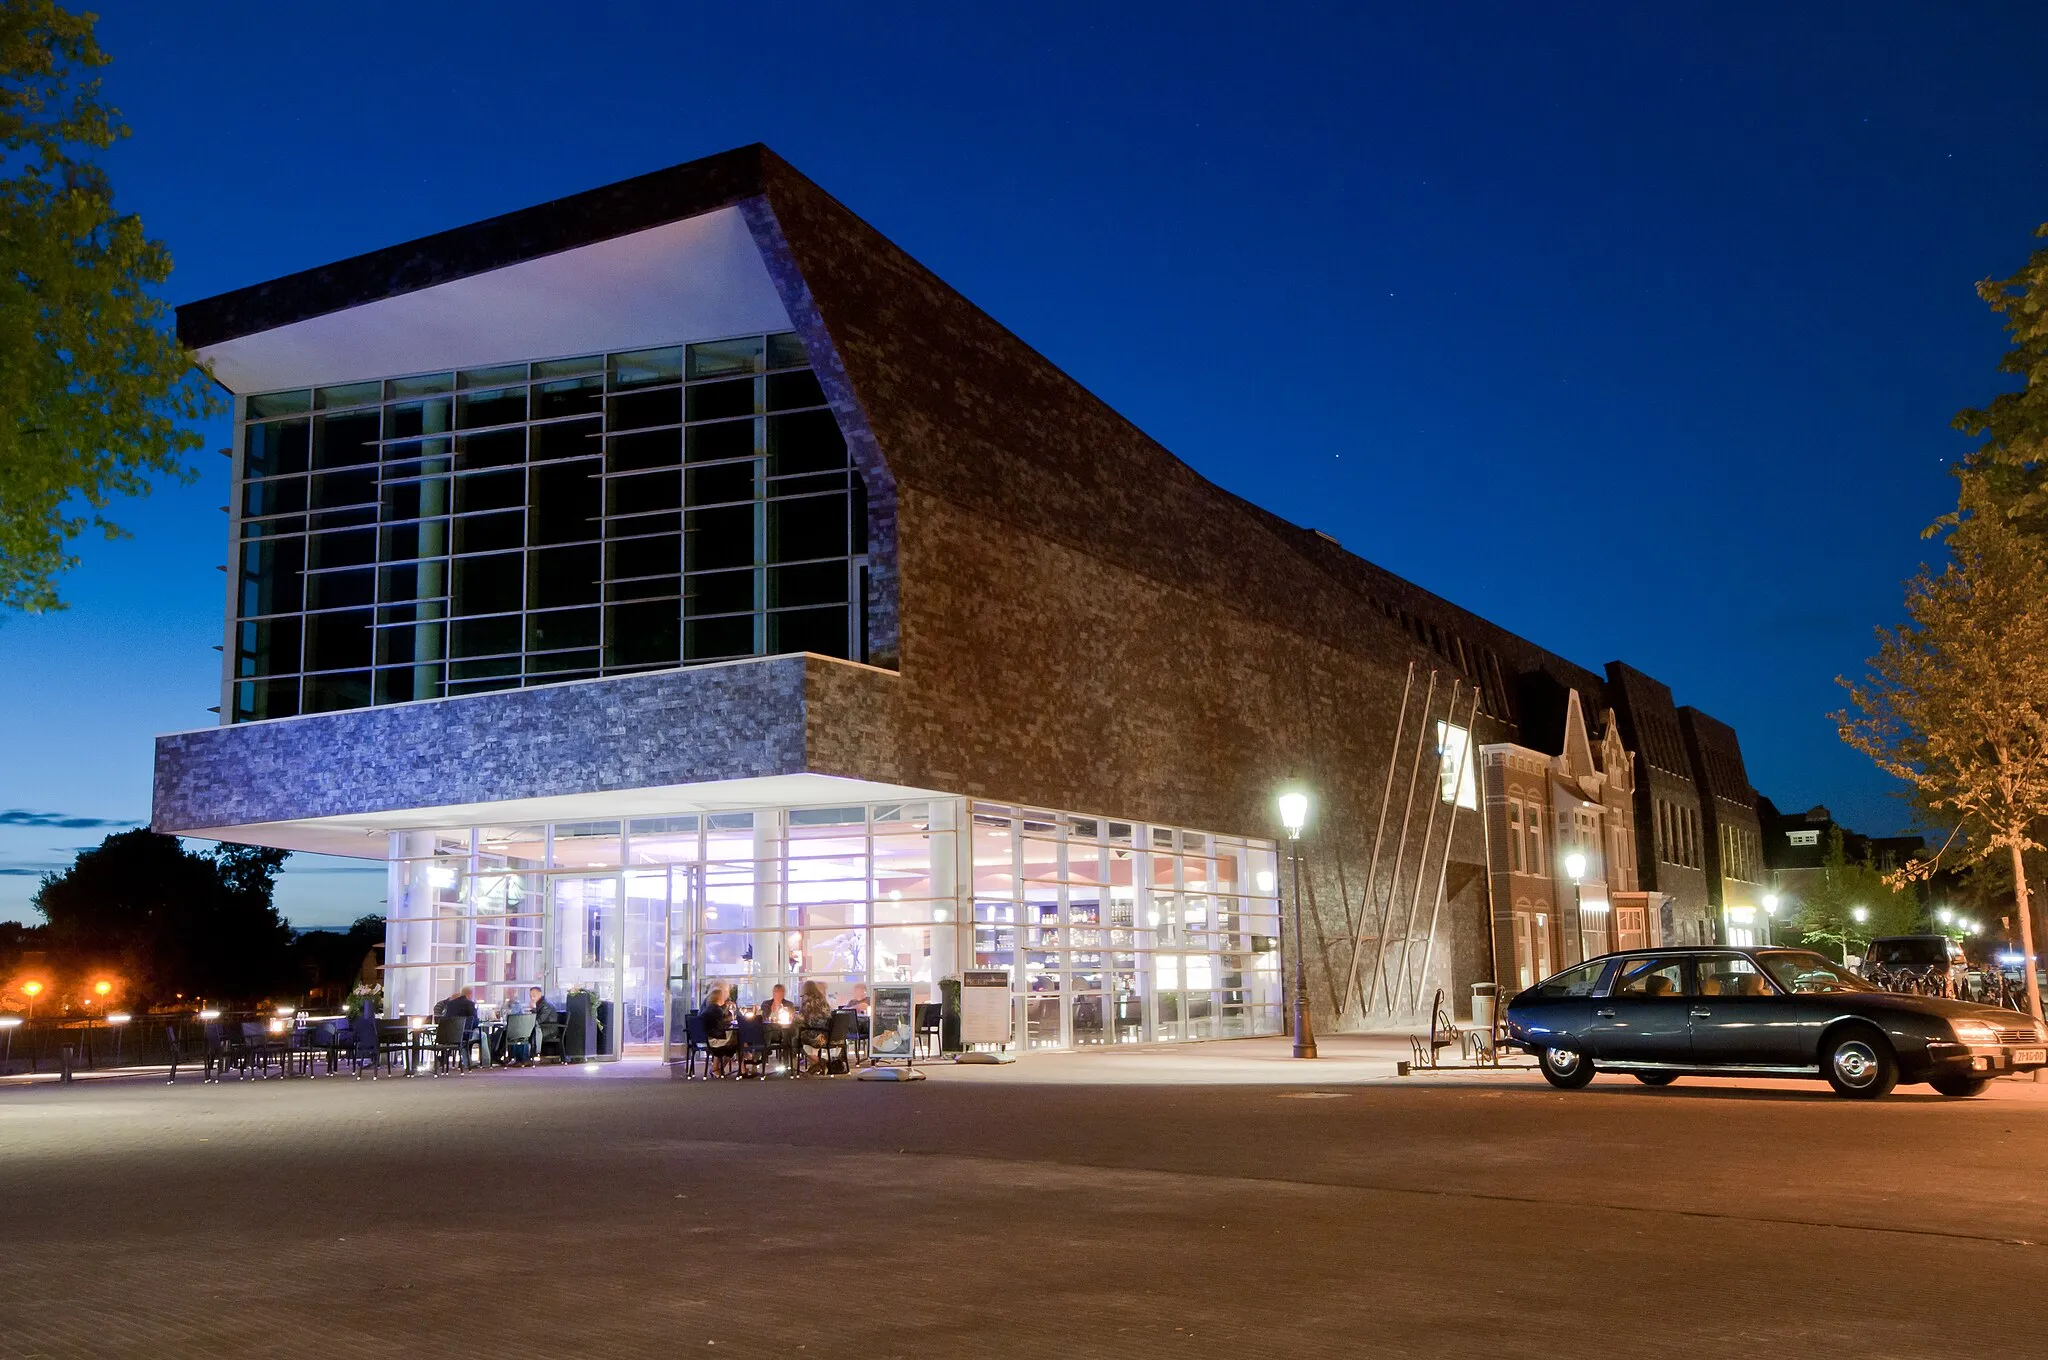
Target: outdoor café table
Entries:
(783, 1039)
(492, 1035)
(399, 1037)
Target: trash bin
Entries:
(1482, 1006)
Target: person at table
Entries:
(721, 1038)
(858, 1002)
(777, 1002)
(462, 1003)
(544, 1014)
(815, 1016)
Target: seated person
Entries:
(815, 1017)
(462, 1004)
(543, 1013)
(777, 1002)
(858, 1002)
(721, 1037)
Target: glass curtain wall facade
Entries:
(1112, 932)
(482, 529)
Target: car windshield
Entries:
(1579, 981)
(1797, 970)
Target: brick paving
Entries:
(1082, 1205)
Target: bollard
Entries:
(65, 1055)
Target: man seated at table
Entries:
(858, 1002)
(543, 1014)
(777, 1002)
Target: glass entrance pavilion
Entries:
(1112, 931)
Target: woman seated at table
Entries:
(721, 1039)
(816, 1016)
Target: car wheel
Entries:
(1564, 1069)
(1962, 1088)
(1859, 1064)
(1656, 1078)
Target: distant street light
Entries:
(1770, 918)
(1294, 816)
(1859, 914)
(32, 990)
(1946, 916)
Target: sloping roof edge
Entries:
(580, 219)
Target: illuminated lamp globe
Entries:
(1294, 813)
(1575, 866)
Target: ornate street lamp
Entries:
(1294, 816)
(1770, 918)
(1575, 869)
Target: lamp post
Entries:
(1294, 816)
(1859, 915)
(1575, 869)
(31, 990)
(1770, 918)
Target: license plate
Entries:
(2029, 1055)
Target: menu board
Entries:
(892, 1025)
(985, 1011)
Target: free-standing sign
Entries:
(892, 1022)
(985, 1010)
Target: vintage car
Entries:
(1661, 1014)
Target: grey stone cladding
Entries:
(734, 721)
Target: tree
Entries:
(1827, 913)
(2010, 465)
(169, 920)
(95, 390)
(1955, 702)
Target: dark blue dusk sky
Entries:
(1635, 328)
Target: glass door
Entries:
(644, 998)
(681, 944)
(586, 963)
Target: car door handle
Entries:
(1607, 1014)
(1700, 1012)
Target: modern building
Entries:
(677, 584)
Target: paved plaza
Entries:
(1200, 1202)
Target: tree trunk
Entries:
(2026, 910)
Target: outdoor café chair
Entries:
(519, 1039)
(363, 1049)
(216, 1051)
(928, 1016)
(753, 1046)
(255, 1048)
(552, 1035)
(838, 1046)
(451, 1043)
(696, 1040)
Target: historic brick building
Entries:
(676, 583)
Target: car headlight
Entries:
(1975, 1033)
